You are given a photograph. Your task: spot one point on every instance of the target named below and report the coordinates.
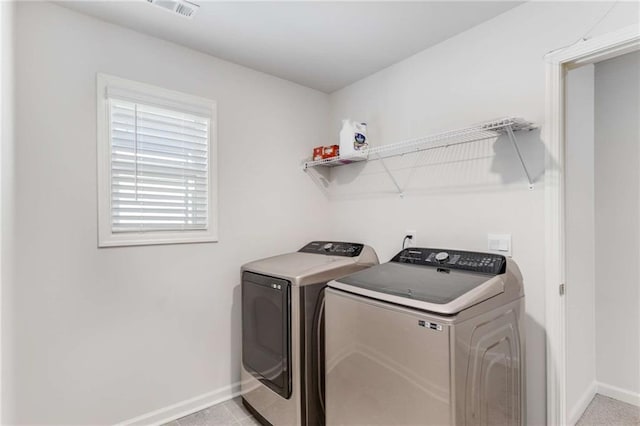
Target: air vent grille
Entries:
(179, 7)
(184, 10)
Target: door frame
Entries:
(558, 63)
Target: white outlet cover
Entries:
(500, 243)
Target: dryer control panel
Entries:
(486, 263)
(333, 248)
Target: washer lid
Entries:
(419, 280)
(416, 282)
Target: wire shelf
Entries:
(488, 130)
(479, 132)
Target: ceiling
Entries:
(323, 45)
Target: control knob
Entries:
(442, 257)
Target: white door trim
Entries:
(585, 52)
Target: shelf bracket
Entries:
(318, 178)
(512, 138)
(393, 179)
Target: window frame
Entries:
(162, 98)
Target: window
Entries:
(156, 165)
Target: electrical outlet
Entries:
(500, 243)
(413, 241)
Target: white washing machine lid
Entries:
(414, 278)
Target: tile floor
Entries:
(229, 413)
(611, 412)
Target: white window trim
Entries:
(160, 97)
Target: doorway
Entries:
(593, 234)
(602, 242)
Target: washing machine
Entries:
(433, 337)
(282, 372)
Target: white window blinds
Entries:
(159, 168)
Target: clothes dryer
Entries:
(282, 372)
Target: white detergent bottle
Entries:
(353, 141)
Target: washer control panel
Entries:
(487, 263)
(333, 248)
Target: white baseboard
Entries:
(581, 405)
(619, 394)
(184, 408)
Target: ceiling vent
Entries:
(183, 8)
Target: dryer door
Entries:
(266, 330)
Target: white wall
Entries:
(6, 204)
(580, 241)
(104, 335)
(617, 220)
(492, 70)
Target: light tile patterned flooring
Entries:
(228, 413)
(610, 412)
